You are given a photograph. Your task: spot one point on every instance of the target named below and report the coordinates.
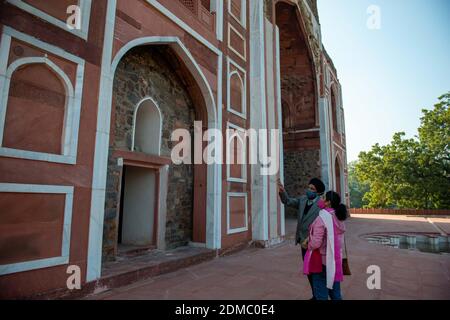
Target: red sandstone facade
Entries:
(86, 117)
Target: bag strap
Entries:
(345, 247)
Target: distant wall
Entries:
(410, 212)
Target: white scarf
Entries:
(331, 264)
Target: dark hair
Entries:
(339, 208)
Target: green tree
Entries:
(357, 189)
(410, 173)
(434, 134)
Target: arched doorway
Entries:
(154, 93)
(301, 133)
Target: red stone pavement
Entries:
(273, 273)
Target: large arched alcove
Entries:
(301, 135)
(153, 79)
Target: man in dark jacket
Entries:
(308, 211)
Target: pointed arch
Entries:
(295, 45)
(286, 114)
(334, 107)
(147, 121)
(189, 61)
(67, 126)
(213, 176)
(213, 239)
(241, 93)
(338, 169)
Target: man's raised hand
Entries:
(281, 186)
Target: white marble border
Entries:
(243, 19)
(237, 195)
(42, 45)
(280, 121)
(244, 165)
(243, 57)
(217, 7)
(73, 104)
(85, 8)
(325, 145)
(183, 26)
(257, 110)
(65, 246)
(94, 259)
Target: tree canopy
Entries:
(407, 173)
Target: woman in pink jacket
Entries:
(323, 260)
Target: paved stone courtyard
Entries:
(274, 273)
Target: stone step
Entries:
(127, 270)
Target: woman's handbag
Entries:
(345, 266)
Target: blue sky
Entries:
(388, 75)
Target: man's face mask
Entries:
(311, 194)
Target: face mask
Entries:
(321, 204)
(311, 195)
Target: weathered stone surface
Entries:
(299, 168)
(297, 78)
(313, 6)
(299, 104)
